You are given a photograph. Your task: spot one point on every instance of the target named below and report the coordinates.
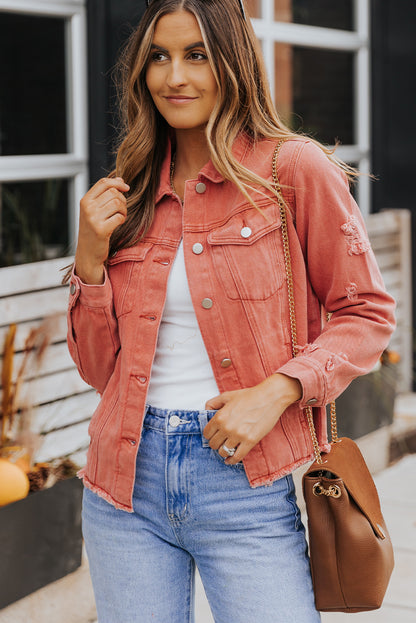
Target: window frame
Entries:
(73, 165)
(269, 31)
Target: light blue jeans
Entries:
(192, 509)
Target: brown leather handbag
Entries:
(350, 549)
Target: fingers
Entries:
(103, 208)
(107, 183)
(219, 433)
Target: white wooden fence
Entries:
(390, 235)
(63, 403)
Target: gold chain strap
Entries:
(291, 299)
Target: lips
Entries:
(179, 99)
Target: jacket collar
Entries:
(209, 172)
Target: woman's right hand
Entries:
(102, 209)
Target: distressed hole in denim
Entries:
(306, 349)
(351, 289)
(357, 240)
(330, 365)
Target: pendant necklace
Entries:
(172, 173)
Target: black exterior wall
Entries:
(394, 110)
(109, 24)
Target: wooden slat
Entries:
(32, 306)
(79, 457)
(56, 359)
(392, 281)
(63, 442)
(53, 387)
(31, 277)
(389, 260)
(24, 328)
(378, 224)
(385, 241)
(64, 412)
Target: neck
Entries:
(192, 153)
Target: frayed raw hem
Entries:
(262, 481)
(101, 493)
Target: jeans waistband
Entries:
(177, 421)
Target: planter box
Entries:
(40, 539)
(368, 403)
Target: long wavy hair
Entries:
(244, 105)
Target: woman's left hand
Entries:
(245, 416)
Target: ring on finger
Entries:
(227, 450)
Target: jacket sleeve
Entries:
(343, 275)
(93, 338)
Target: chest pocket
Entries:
(124, 269)
(247, 254)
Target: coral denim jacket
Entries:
(238, 289)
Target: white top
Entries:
(182, 376)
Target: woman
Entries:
(178, 316)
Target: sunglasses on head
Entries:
(240, 2)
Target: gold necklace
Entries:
(172, 173)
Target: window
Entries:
(43, 129)
(317, 57)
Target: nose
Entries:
(177, 75)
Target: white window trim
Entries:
(357, 41)
(73, 165)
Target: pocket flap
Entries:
(246, 227)
(130, 254)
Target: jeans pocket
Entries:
(221, 459)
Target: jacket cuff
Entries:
(313, 381)
(90, 295)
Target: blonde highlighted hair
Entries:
(244, 105)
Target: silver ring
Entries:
(229, 451)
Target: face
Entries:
(179, 76)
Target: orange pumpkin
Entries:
(14, 484)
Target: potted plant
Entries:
(368, 402)
(40, 503)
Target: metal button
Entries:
(207, 303)
(174, 420)
(246, 232)
(225, 363)
(312, 401)
(142, 379)
(72, 288)
(200, 188)
(197, 248)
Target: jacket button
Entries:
(141, 379)
(72, 288)
(225, 363)
(246, 232)
(207, 303)
(197, 248)
(200, 188)
(312, 401)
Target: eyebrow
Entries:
(197, 44)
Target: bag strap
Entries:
(291, 299)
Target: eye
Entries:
(198, 56)
(158, 57)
